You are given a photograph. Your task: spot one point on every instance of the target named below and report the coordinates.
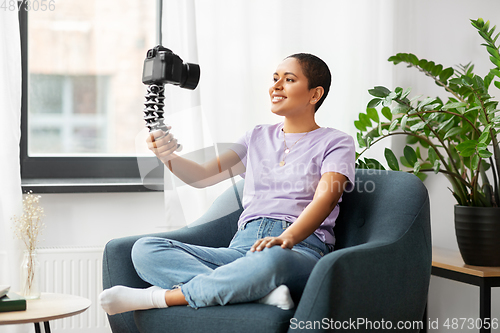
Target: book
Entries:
(12, 302)
(4, 289)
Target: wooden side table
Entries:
(450, 265)
(48, 307)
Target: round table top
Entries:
(48, 307)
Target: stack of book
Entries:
(11, 301)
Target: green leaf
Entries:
(405, 163)
(359, 125)
(400, 108)
(398, 91)
(391, 159)
(446, 74)
(394, 124)
(416, 168)
(387, 102)
(453, 105)
(444, 124)
(395, 59)
(426, 166)
(484, 138)
(484, 153)
(387, 113)
(436, 166)
(365, 120)
(403, 122)
(418, 153)
(422, 176)
(415, 98)
(410, 155)
(368, 141)
(413, 59)
(452, 132)
(437, 70)
(495, 72)
(361, 140)
(426, 101)
(466, 144)
(373, 114)
(493, 51)
(411, 140)
(478, 24)
(379, 91)
(474, 162)
(497, 84)
(429, 66)
(495, 61)
(466, 80)
(474, 108)
(424, 143)
(417, 126)
(432, 155)
(374, 164)
(468, 151)
(374, 102)
(406, 93)
(496, 37)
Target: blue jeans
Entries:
(217, 276)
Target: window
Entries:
(83, 96)
(66, 115)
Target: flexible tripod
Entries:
(154, 104)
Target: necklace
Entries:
(288, 149)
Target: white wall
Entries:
(77, 220)
(440, 30)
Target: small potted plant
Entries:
(28, 228)
(457, 137)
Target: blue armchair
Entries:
(378, 274)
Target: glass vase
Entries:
(30, 275)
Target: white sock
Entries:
(279, 297)
(120, 299)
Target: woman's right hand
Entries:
(162, 145)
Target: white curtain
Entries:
(239, 43)
(10, 178)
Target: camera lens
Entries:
(190, 76)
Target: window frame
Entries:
(46, 174)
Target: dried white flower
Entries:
(29, 225)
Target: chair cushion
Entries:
(241, 318)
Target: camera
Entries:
(162, 66)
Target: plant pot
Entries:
(478, 234)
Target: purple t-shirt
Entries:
(283, 192)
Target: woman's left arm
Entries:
(328, 192)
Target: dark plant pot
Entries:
(478, 234)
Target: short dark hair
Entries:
(317, 73)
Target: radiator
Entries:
(75, 271)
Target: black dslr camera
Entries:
(162, 66)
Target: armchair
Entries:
(379, 272)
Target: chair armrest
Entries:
(371, 281)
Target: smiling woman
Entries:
(282, 232)
(303, 78)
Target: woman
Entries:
(295, 173)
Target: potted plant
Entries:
(457, 137)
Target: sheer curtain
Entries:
(10, 178)
(238, 45)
